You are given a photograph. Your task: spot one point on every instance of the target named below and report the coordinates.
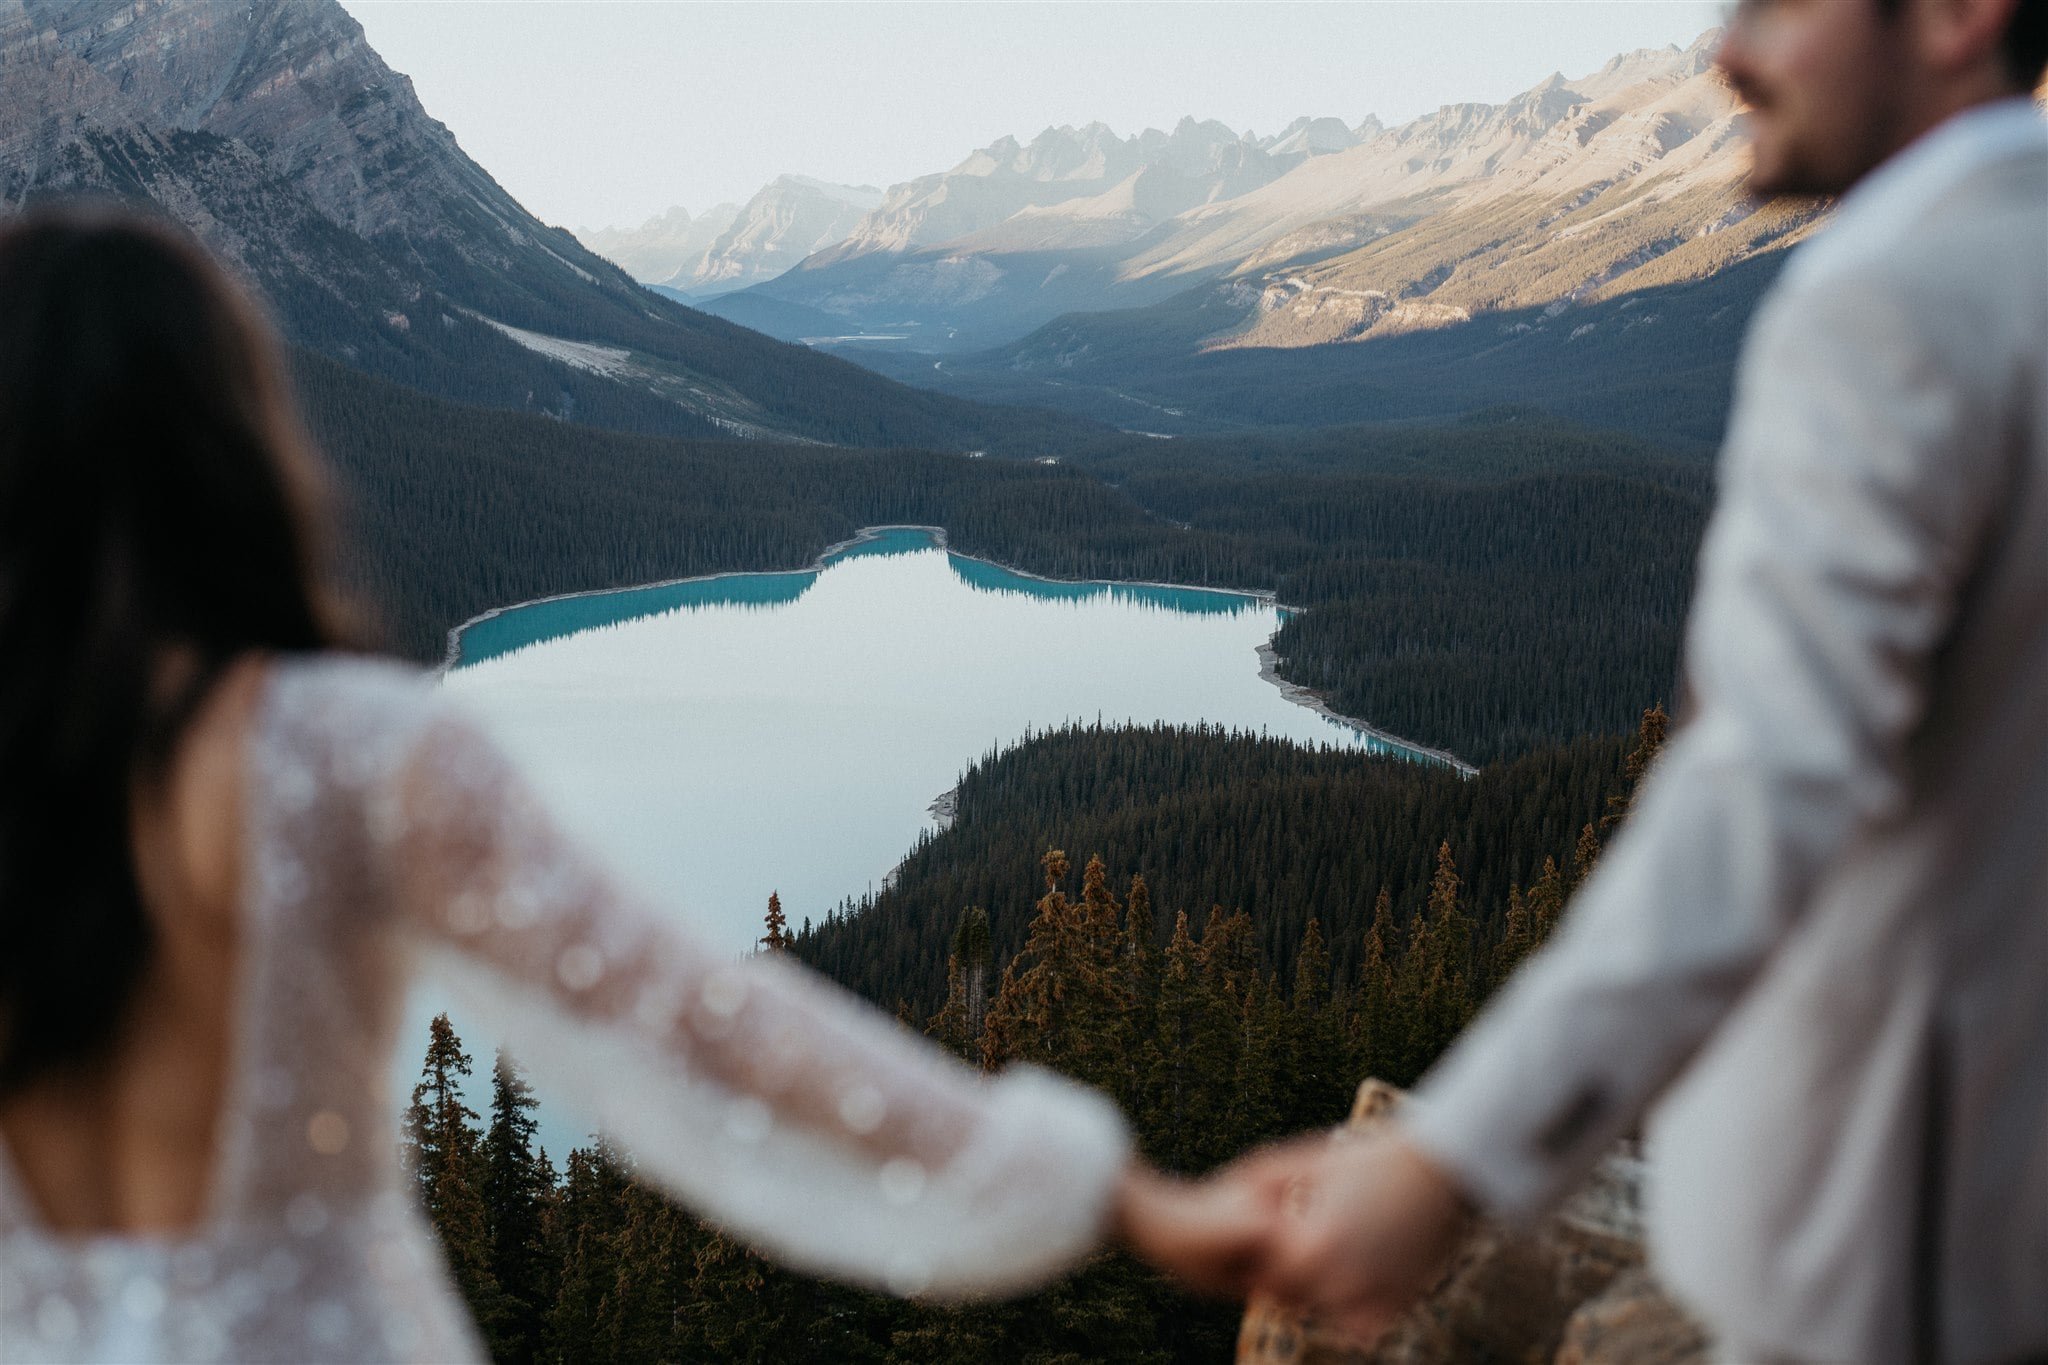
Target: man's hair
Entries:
(2025, 46)
(2026, 43)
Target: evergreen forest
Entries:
(1504, 582)
(1215, 1027)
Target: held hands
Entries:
(1350, 1230)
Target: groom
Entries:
(1820, 947)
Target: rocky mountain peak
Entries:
(274, 132)
(1306, 137)
(295, 79)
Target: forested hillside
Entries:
(1281, 832)
(454, 509)
(1214, 1027)
(1480, 588)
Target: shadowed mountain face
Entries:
(1575, 191)
(1658, 362)
(275, 133)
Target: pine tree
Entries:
(1001, 1042)
(1215, 1053)
(1516, 939)
(1311, 970)
(583, 1226)
(1436, 971)
(1138, 988)
(637, 1316)
(1584, 856)
(1262, 1031)
(1317, 1068)
(1141, 943)
(1183, 1071)
(1450, 927)
(974, 951)
(1109, 994)
(1545, 903)
(1650, 734)
(777, 939)
(517, 1185)
(1065, 1008)
(443, 1150)
(949, 1026)
(1382, 1045)
(1229, 955)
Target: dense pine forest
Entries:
(1285, 833)
(1214, 1026)
(1504, 582)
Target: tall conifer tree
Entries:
(1584, 856)
(777, 939)
(516, 1187)
(443, 1149)
(1650, 734)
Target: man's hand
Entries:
(1362, 1227)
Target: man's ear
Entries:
(1957, 37)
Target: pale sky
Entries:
(607, 112)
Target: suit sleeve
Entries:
(1854, 499)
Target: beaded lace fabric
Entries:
(388, 835)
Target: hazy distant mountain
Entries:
(991, 185)
(789, 218)
(732, 246)
(1019, 232)
(273, 130)
(663, 245)
(1573, 190)
(1315, 136)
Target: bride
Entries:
(227, 843)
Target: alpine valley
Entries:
(1148, 280)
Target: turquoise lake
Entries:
(722, 738)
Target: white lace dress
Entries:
(385, 831)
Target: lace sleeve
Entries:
(757, 1092)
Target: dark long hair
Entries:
(155, 496)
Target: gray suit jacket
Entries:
(1821, 943)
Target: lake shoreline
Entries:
(1269, 660)
(451, 651)
(1308, 697)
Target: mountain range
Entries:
(731, 246)
(273, 131)
(1577, 190)
(1170, 281)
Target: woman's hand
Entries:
(1210, 1235)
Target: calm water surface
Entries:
(727, 737)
